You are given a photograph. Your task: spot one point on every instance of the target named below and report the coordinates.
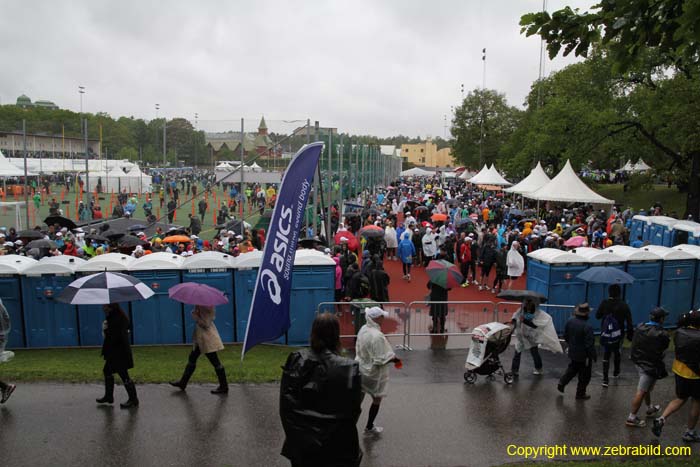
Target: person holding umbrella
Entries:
(205, 337)
(109, 289)
(443, 277)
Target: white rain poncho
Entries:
(544, 336)
(4, 334)
(374, 353)
(514, 261)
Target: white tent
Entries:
(416, 172)
(115, 181)
(489, 176)
(567, 187)
(255, 167)
(137, 181)
(8, 169)
(640, 166)
(536, 180)
(224, 166)
(475, 178)
(628, 167)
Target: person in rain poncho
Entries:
(6, 390)
(515, 263)
(406, 253)
(533, 328)
(391, 241)
(374, 353)
(429, 246)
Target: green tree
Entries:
(655, 49)
(484, 112)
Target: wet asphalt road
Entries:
(431, 418)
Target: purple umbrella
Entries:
(193, 293)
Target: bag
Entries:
(610, 332)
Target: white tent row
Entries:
(8, 169)
(248, 177)
(52, 166)
(640, 166)
(416, 172)
(117, 180)
(566, 186)
(533, 182)
(489, 176)
(228, 167)
(466, 175)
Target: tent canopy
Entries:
(416, 172)
(567, 187)
(536, 180)
(641, 166)
(8, 169)
(489, 177)
(475, 178)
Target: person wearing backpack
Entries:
(616, 323)
(648, 348)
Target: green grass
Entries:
(151, 365)
(670, 198)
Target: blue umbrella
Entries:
(605, 275)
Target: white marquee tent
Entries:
(475, 178)
(489, 177)
(567, 187)
(416, 172)
(8, 169)
(640, 166)
(536, 180)
(137, 181)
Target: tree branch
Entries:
(677, 158)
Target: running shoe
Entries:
(635, 422)
(605, 383)
(375, 430)
(691, 436)
(537, 371)
(658, 426)
(653, 410)
(7, 392)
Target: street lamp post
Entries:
(196, 117)
(81, 91)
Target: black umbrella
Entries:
(374, 211)
(136, 227)
(112, 235)
(452, 202)
(567, 233)
(30, 234)
(103, 288)
(464, 221)
(350, 214)
(97, 238)
(60, 220)
(515, 212)
(43, 243)
(372, 231)
(129, 241)
(422, 208)
(521, 295)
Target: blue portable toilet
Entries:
(642, 295)
(159, 319)
(216, 270)
(11, 266)
(313, 282)
(47, 322)
(695, 251)
(686, 232)
(661, 230)
(677, 281)
(640, 227)
(552, 273)
(91, 317)
(596, 293)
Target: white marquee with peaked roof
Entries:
(567, 187)
(534, 181)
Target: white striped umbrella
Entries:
(103, 288)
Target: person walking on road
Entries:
(6, 389)
(616, 324)
(648, 347)
(578, 334)
(515, 263)
(205, 340)
(374, 353)
(406, 251)
(438, 311)
(686, 367)
(172, 205)
(320, 401)
(533, 329)
(202, 206)
(116, 351)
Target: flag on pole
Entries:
(269, 310)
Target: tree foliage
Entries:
(483, 113)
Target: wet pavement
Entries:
(431, 418)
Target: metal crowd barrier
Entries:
(413, 319)
(351, 316)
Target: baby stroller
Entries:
(488, 342)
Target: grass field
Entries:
(151, 365)
(670, 198)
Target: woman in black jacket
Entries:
(116, 351)
(320, 398)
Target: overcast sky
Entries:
(364, 66)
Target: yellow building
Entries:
(426, 154)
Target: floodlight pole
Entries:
(26, 183)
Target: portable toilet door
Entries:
(638, 227)
(596, 293)
(313, 282)
(216, 270)
(660, 230)
(695, 251)
(677, 280)
(642, 295)
(686, 232)
(91, 317)
(244, 275)
(11, 266)
(552, 273)
(49, 323)
(159, 319)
